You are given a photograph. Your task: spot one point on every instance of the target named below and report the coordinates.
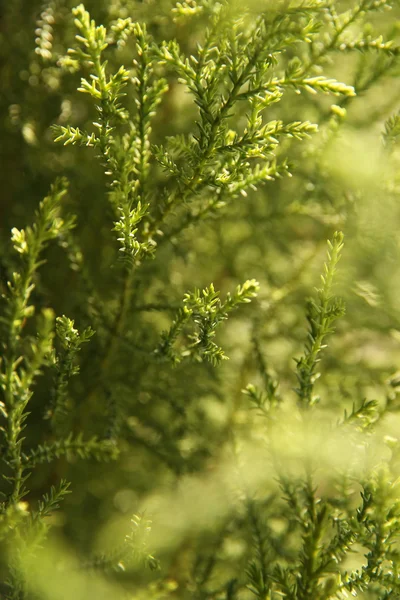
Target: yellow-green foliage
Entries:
(172, 422)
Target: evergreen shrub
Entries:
(171, 173)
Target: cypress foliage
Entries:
(156, 438)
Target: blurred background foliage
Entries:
(183, 425)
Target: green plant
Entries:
(215, 156)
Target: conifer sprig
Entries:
(126, 155)
(19, 369)
(123, 141)
(392, 131)
(206, 309)
(133, 552)
(70, 341)
(104, 89)
(320, 315)
(219, 82)
(37, 529)
(51, 501)
(72, 447)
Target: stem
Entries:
(119, 322)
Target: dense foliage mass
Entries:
(170, 174)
